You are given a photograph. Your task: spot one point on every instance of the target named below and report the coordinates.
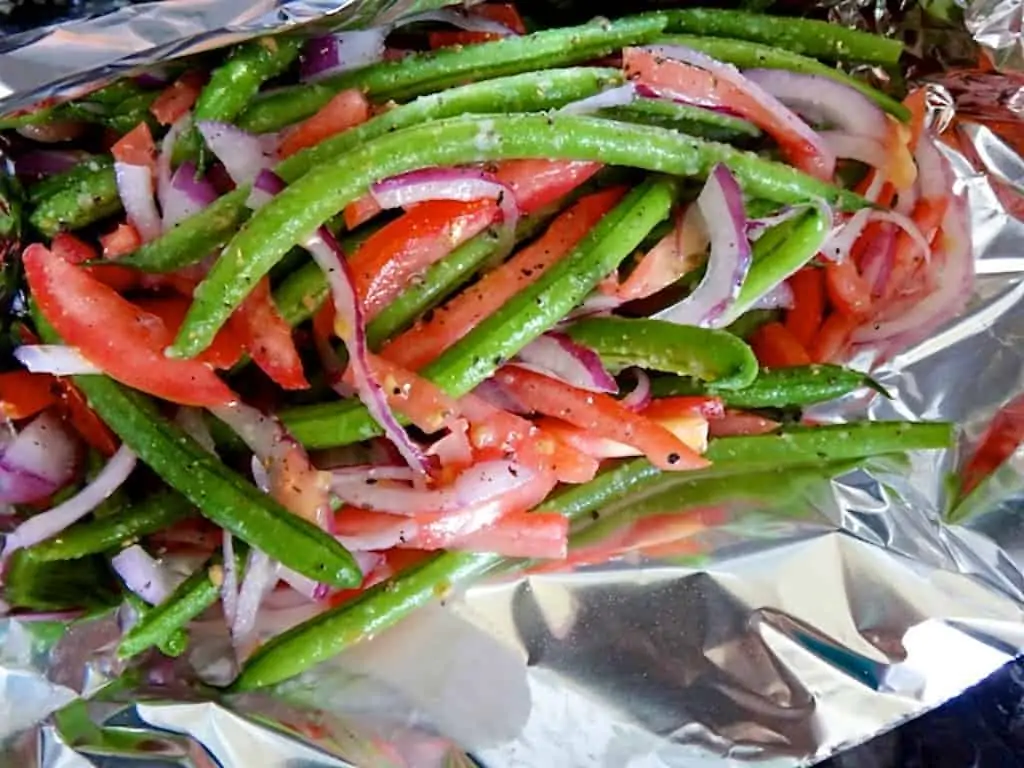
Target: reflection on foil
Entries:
(694, 624)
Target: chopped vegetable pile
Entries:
(309, 339)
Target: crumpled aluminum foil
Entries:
(770, 624)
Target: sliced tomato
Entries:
(115, 335)
(121, 241)
(907, 254)
(848, 291)
(601, 414)
(741, 423)
(90, 427)
(679, 252)
(75, 251)
(804, 319)
(178, 98)
(776, 347)
(453, 320)
(695, 85)
(223, 353)
(268, 338)
(24, 394)
(539, 183)
(540, 535)
(136, 147)
(395, 255)
(416, 398)
(669, 408)
(691, 429)
(346, 110)
(831, 340)
(361, 211)
(1000, 441)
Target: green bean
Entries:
(196, 237)
(657, 345)
(158, 511)
(219, 493)
(515, 324)
(386, 604)
(57, 585)
(235, 83)
(423, 73)
(162, 622)
(775, 387)
(87, 197)
(175, 644)
(705, 123)
(314, 198)
(129, 114)
(749, 55)
(770, 266)
(809, 37)
(74, 176)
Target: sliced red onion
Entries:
(594, 305)
(37, 462)
(877, 262)
(754, 90)
(350, 324)
(55, 520)
(613, 97)
(143, 575)
(289, 465)
(46, 162)
(500, 397)
(721, 206)
(824, 101)
(305, 586)
(466, 21)
(260, 578)
(229, 587)
(475, 485)
(454, 449)
(191, 420)
(135, 186)
(851, 146)
(558, 356)
(779, 297)
(757, 227)
(57, 359)
(640, 396)
(153, 79)
(933, 177)
(188, 194)
(242, 154)
(842, 238)
(462, 184)
(163, 163)
(368, 473)
(330, 55)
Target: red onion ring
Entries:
(135, 187)
(37, 462)
(56, 359)
(558, 356)
(243, 155)
(329, 55)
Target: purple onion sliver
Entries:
(135, 187)
(242, 154)
(332, 54)
(500, 397)
(38, 462)
(143, 575)
(613, 97)
(640, 396)
(557, 355)
(721, 206)
(47, 162)
(779, 297)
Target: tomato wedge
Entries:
(74, 251)
(1000, 441)
(121, 241)
(136, 147)
(346, 110)
(848, 291)
(740, 423)
(540, 535)
(24, 394)
(679, 252)
(268, 338)
(178, 98)
(226, 349)
(602, 415)
(804, 319)
(776, 347)
(831, 340)
(453, 320)
(393, 256)
(115, 335)
(695, 85)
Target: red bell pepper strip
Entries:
(24, 394)
(1000, 441)
(346, 110)
(178, 98)
(804, 319)
(776, 347)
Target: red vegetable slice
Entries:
(268, 338)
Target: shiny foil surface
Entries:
(769, 624)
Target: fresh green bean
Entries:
(87, 198)
(750, 55)
(428, 72)
(773, 388)
(158, 511)
(704, 123)
(770, 266)
(175, 644)
(657, 345)
(73, 177)
(808, 37)
(57, 585)
(127, 115)
(219, 493)
(196, 237)
(521, 319)
(314, 198)
(386, 604)
(235, 83)
(162, 622)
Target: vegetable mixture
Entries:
(303, 338)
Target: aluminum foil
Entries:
(773, 623)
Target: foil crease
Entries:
(772, 624)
